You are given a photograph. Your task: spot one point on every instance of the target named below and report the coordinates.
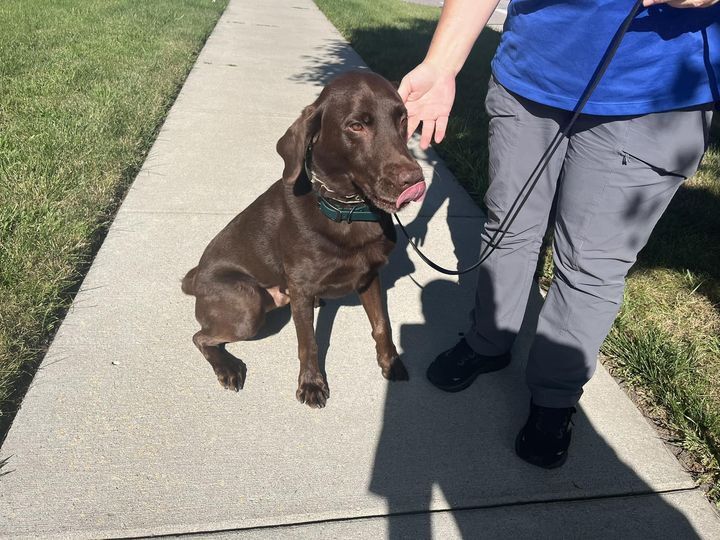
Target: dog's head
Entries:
(357, 128)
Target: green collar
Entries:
(356, 212)
(353, 209)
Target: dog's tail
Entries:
(188, 282)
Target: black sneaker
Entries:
(457, 368)
(545, 438)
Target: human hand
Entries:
(682, 3)
(428, 92)
(418, 235)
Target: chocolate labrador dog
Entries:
(322, 231)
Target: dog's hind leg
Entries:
(228, 310)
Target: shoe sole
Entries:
(487, 367)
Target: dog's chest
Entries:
(350, 269)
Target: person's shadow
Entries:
(439, 450)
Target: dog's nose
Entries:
(413, 186)
(409, 176)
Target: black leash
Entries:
(534, 177)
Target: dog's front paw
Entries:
(312, 390)
(231, 374)
(394, 370)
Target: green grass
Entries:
(84, 86)
(665, 343)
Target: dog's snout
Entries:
(412, 185)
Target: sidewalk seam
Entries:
(648, 493)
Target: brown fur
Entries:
(282, 248)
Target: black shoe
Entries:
(457, 368)
(545, 438)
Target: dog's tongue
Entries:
(416, 192)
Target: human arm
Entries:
(429, 90)
(682, 3)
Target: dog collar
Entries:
(356, 212)
(353, 209)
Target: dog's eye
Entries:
(357, 126)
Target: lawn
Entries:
(665, 344)
(84, 87)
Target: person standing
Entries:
(642, 133)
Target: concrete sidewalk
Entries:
(126, 432)
(497, 19)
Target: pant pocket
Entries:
(671, 142)
(499, 102)
(503, 110)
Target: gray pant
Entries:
(613, 179)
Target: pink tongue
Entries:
(416, 192)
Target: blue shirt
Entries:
(669, 59)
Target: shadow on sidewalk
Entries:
(459, 448)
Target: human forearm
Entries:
(429, 90)
(459, 26)
(682, 3)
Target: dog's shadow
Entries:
(275, 321)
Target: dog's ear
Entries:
(294, 143)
